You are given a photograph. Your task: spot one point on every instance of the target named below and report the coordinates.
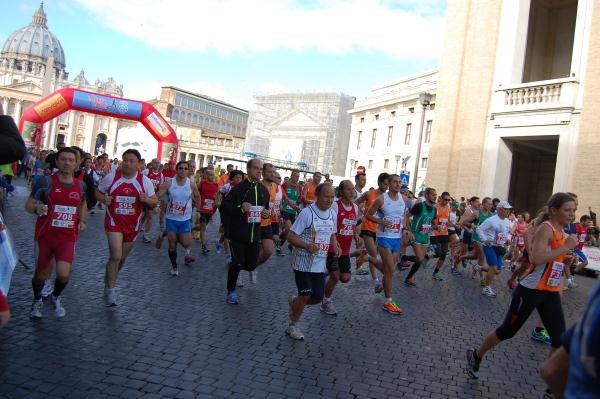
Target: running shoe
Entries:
(279, 250)
(36, 309)
(59, 311)
(410, 282)
(219, 247)
(47, 289)
(188, 260)
(362, 271)
(488, 291)
(146, 239)
(472, 368)
(571, 283)
(392, 307)
(455, 271)
(378, 287)
(541, 336)
(327, 307)
(205, 250)
(174, 271)
(294, 332)
(110, 296)
(512, 284)
(437, 277)
(232, 298)
(229, 258)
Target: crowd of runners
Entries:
(329, 230)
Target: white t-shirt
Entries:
(316, 226)
(108, 180)
(495, 230)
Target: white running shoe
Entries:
(59, 311)
(47, 289)
(294, 332)
(36, 309)
(327, 307)
(488, 291)
(110, 296)
(174, 271)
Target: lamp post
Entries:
(424, 99)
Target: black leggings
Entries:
(244, 257)
(524, 301)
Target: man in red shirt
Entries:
(581, 229)
(208, 204)
(124, 192)
(59, 202)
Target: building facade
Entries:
(386, 126)
(517, 111)
(312, 129)
(32, 65)
(209, 130)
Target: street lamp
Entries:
(424, 99)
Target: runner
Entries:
(179, 193)
(518, 233)
(541, 288)
(208, 205)
(290, 192)
(368, 228)
(346, 213)
(485, 212)
(390, 209)
(585, 222)
(266, 231)
(467, 224)
(245, 206)
(360, 181)
(124, 192)
(423, 214)
(312, 235)
(275, 207)
(156, 177)
(235, 177)
(494, 232)
(308, 195)
(59, 202)
(224, 178)
(440, 238)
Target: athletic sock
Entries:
(413, 270)
(59, 286)
(37, 288)
(173, 257)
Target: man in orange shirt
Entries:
(308, 194)
(224, 178)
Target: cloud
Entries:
(402, 29)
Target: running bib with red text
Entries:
(63, 216)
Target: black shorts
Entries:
(205, 217)
(288, 216)
(367, 233)
(275, 228)
(342, 263)
(266, 233)
(467, 237)
(310, 284)
(440, 244)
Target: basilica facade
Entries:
(33, 65)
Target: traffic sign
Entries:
(404, 178)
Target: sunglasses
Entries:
(180, 168)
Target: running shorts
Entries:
(129, 234)
(580, 254)
(494, 255)
(440, 244)
(275, 228)
(342, 263)
(177, 226)
(393, 244)
(266, 233)
(310, 284)
(53, 247)
(367, 233)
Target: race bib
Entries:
(395, 228)
(177, 208)
(502, 238)
(582, 238)
(322, 241)
(521, 240)
(555, 274)
(347, 228)
(63, 216)
(426, 228)
(254, 214)
(124, 205)
(208, 203)
(443, 223)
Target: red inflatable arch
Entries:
(66, 99)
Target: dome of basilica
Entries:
(33, 44)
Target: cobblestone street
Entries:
(175, 337)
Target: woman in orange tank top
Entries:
(540, 289)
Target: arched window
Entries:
(81, 120)
(175, 115)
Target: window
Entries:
(390, 134)
(370, 164)
(373, 138)
(411, 110)
(362, 120)
(182, 156)
(386, 163)
(432, 106)
(81, 121)
(392, 114)
(376, 117)
(407, 135)
(358, 140)
(428, 131)
(424, 162)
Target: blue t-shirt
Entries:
(584, 352)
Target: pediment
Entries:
(26, 87)
(296, 118)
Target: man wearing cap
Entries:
(495, 236)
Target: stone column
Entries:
(5, 104)
(18, 109)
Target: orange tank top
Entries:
(311, 191)
(548, 278)
(367, 224)
(272, 195)
(442, 218)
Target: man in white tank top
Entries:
(388, 212)
(178, 213)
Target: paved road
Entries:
(176, 337)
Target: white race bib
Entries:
(555, 274)
(63, 216)
(254, 214)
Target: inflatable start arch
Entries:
(67, 99)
